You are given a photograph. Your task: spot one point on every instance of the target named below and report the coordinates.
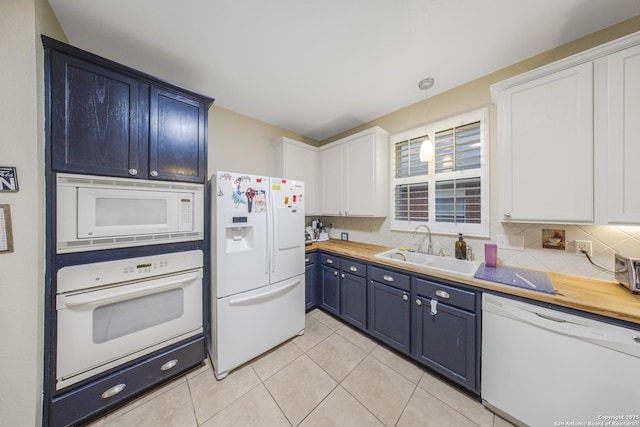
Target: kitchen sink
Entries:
(430, 262)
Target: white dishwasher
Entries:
(542, 367)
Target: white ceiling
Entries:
(319, 68)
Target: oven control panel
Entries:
(77, 277)
(158, 267)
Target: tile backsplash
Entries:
(606, 240)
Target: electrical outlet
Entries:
(583, 245)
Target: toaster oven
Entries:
(627, 272)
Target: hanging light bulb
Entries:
(426, 149)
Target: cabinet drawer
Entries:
(310, 259)
(391, 278)
(113, 390)
(330, 260)
(446, 294)
(356, 268)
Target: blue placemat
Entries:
(527, 279)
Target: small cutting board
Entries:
(518, 277)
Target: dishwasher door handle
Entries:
(553, 319)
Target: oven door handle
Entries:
(121, 293)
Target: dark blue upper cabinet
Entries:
(108, 119)
(177, 140)
(94, 118)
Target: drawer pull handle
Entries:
(352, 268)
(306, 260)
(405, 297)
(442, 294)
(329, 261)
(418, 302)
(387, 278)
(113, 391)
(170, 364)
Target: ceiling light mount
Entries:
(426, 83)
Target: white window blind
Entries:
(408, 158)
(412, 202)
(458, 148)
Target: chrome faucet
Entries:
(430, 247)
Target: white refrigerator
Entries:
(257, 283)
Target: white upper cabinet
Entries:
(545, 141)
(355, 175)
(298, 161)
(331, 180)
(569, 138)
(624, 136)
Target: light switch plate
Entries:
(511, 242)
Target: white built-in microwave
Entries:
(95, 212)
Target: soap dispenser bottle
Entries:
(461, 248)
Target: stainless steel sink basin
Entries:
(430, 262)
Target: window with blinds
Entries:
(449, 193)
(408, 158)
(458, 200)
(458, 148)
(412, 202)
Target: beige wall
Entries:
(238, 143)
(22, 146)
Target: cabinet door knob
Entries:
(636, 339)
(405, 297)
(154, 174)
(133, 172)
(335, 273)
(170, 364)
(113, 391)
(342, 275)
(418, 302)
(306, 260)
(507, 215)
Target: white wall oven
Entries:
(112, 312)
(94, 212)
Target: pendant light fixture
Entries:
(426, 149)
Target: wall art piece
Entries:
(553, 239)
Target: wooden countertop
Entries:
(593, 296)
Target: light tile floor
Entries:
(333, 375)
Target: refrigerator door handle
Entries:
(274, 233)
(253, 298)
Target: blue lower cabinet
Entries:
(390, 315)
(353, 293)
(445, 331)
(445, 341)
(89, 401)
(330, 289)
(310, 278)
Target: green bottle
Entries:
(461, 248)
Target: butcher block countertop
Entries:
(593, 296)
